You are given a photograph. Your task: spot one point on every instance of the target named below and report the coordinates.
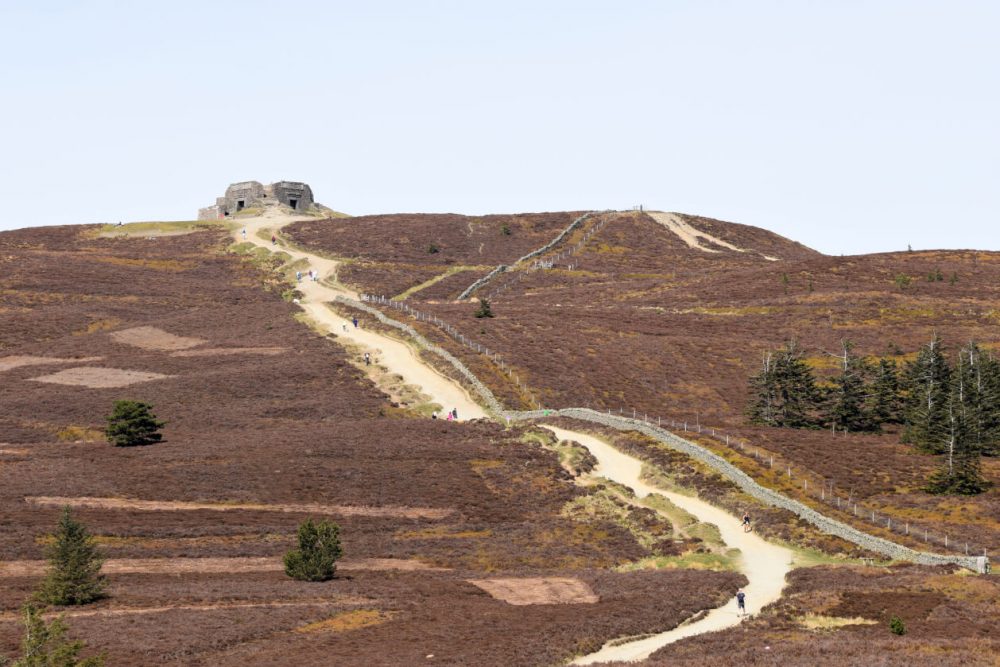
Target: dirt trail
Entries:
(210, 565)
(218, 606)
(395, 355)
(764, 564)
(691, 236)
(188, 506)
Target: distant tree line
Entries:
(945, 408)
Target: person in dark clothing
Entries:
(355, 320)
(741, 603)
(746, 522)
(454, 413)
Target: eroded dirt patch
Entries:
(538, 590)
(16, 361)
(225, 351)
(99, 378)
(177, 505)
(151, 338)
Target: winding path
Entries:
(397, 356)
(764, 564)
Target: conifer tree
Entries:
(133, 423)
(979, 384)
(928, 381)
(74, 575)
(319, 549)
(846, 405)
(885, 394)
(960, 472)
(796, 388)
(763, 399)
(45, 644)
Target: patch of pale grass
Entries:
(226, 351)
(151, 338)
(16, 361)
(818, 622)
(99, 378)
(538, 590)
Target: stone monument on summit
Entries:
(251, 195)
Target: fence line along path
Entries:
(715, 462)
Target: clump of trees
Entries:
(74, 575)
(946, 408)
(133, 423)
(318, 552)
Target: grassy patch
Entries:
(646, 526)
(436, 279)
(80, 434)
(346, 621)
(158, 228)
(819, 622)
(695, 560)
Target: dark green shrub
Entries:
(505, 230)
(896, 626)
(318, 552)
(133, 423)
(433, 249)
(484, 309)
(74, 575)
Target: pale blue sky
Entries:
(849, 126)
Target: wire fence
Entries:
(811, 485)
(515, 277)
(495, 357)
(816, 487)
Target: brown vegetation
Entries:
(300, 430)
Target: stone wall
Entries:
(695, 451)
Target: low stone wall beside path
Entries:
(697, 452)
(762, 493)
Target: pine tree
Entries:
(484, 309)
(795, 388)
(928, 380)
(319, 549)
(960, 472)
(885, 394)
(763, 398)
(845, 407)
(45, 644)
(133, 423)
(979, 377)
(74, 575)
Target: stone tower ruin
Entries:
(250, 195)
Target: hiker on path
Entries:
(298, 276)
(355, 320)
(244, 233)
(368, 359)
(746, 522)
(450, 418)
(454, 413)
(274, 240)
(741, 603)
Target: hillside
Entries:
(269, 423)
(635, 318)
(472, 542)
